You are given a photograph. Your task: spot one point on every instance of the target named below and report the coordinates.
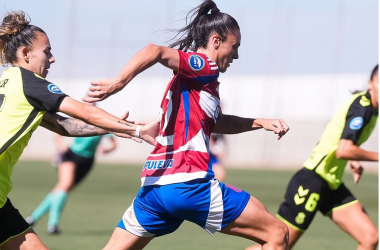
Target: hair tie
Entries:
(214, 10)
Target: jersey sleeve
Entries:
(41, 93)
(358, 116)
(196, 66)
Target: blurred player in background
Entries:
(75, 163)
(177, 179)
(318, 186)
(218, 149)
(27, 100)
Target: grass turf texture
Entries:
(96, 206)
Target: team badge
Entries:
(196, 62)
(356, 123)
(54, 89)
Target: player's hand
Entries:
(63, 148)
(278, 126)
(101, 150)
(357, 170)
(149, 131)
(101, 89)
(124, 117)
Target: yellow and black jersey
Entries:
(24, 99)
(355, 121)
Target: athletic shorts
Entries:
(308, 193)
(12, 224)
(160, 210)
(83, 165)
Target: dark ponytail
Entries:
(205, 20)
(15, 31)
(374, 72)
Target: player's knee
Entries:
(370, 237)
(280, 233)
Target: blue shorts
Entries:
(160, 210)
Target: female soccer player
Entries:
(319, 186)
(177, 180)
(75, 163)
(28, 100)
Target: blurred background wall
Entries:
(299, 60)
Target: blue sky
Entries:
(93, 39)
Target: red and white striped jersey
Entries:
(189, 112)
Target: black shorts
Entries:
(12, 224)
(307, 193)
(83, 165)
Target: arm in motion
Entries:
(69, 126)
(230, 124)
(349, 151)
(144, 59)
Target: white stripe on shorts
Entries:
(132, 225)
(215, 215)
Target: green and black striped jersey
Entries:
(24, 99)
(355, 121)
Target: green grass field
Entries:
(96, 206)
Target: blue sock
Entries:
(42, 208)
(58, 199)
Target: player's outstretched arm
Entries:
(144, 59)
(349, 151)
(69, 126)
(98, 118)
(230, 124)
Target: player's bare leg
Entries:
(294, 235)
(124, 240)
(257, 224)
(26, 241)
(66, 175)
(353, 220)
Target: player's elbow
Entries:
(341, 154)
(153, 49)
(150, 46)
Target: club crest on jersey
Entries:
(356, 123)
(154, 165)
(54, 89)
(196, 62)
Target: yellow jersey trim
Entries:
(14, 236)
(342, 206)
(289, 224)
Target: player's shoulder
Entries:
(29, 75)
(359, 109)
(361, 103)
(199, 62)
